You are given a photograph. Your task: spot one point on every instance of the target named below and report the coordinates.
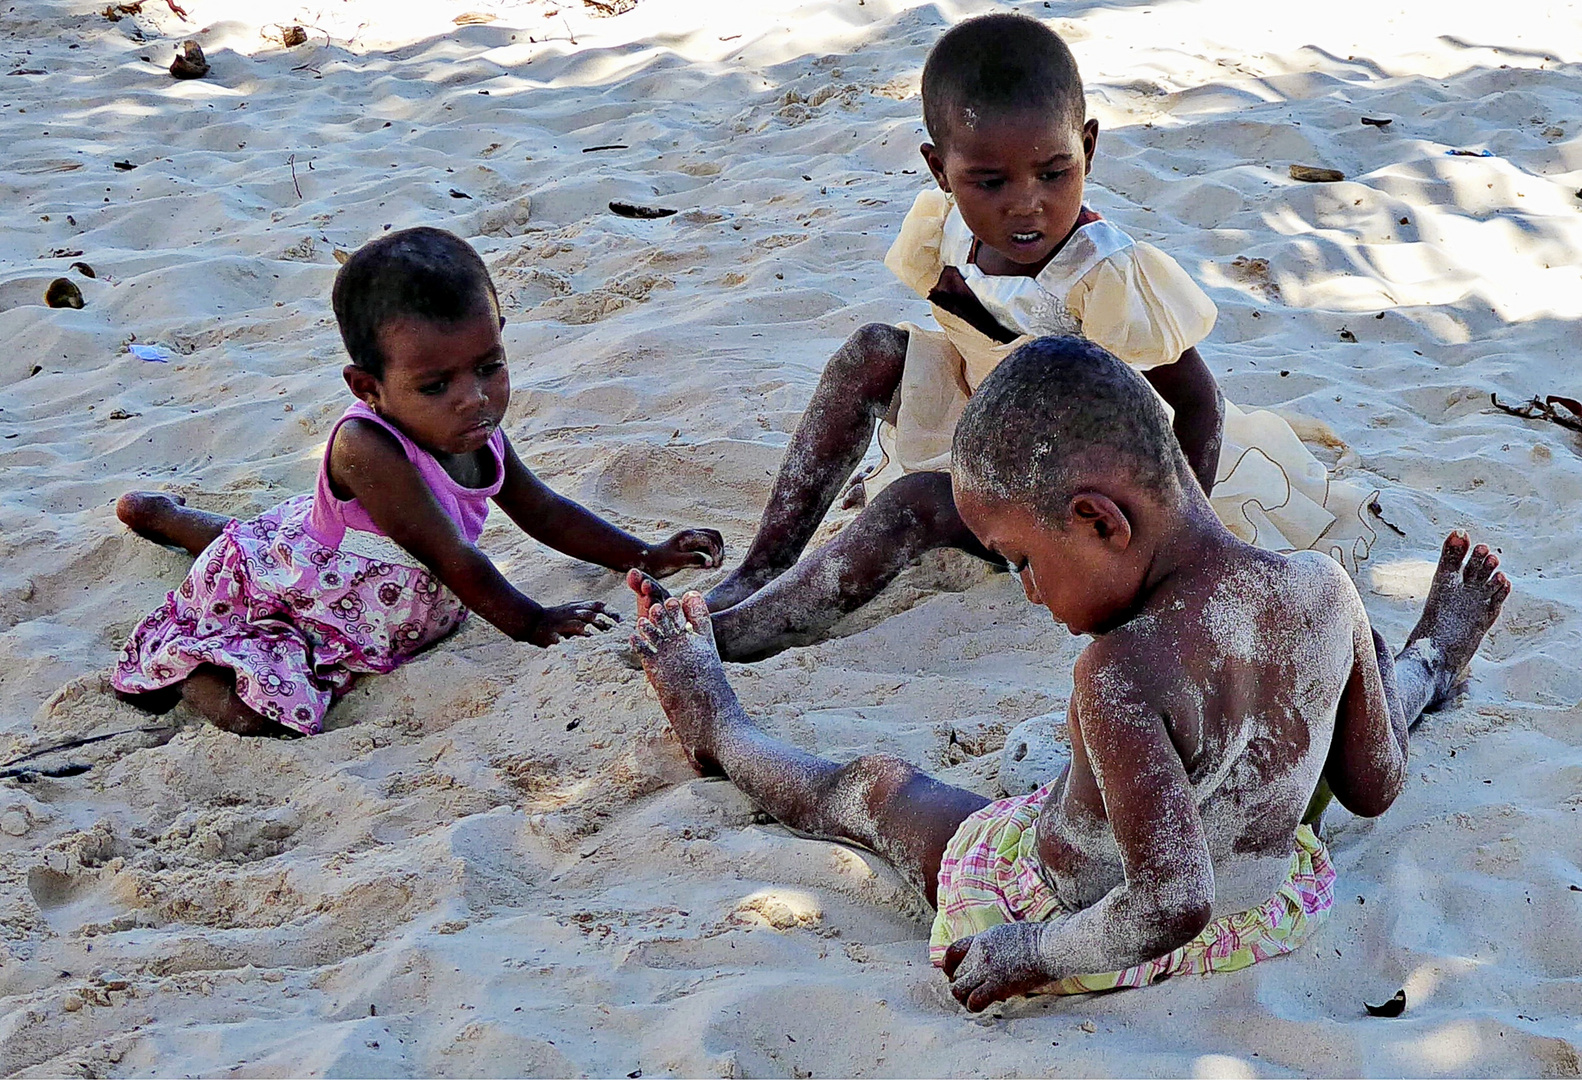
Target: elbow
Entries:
(1181, 923)
(1370, 803)
(1369, 794)
(1176, 923)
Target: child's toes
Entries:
(1502, 588)
(1482, 563)
(1452, 553)
(696, 610)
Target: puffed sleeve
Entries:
(914, 257)
(1140, 305)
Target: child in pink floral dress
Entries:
(281, 613)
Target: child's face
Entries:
(445, 385)
(1081, 573)
(1018, 182)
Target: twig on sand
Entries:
(1545, 409)
(1377, 511)
(9, 768)
(292, 161)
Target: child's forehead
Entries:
(1037, 132)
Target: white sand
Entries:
(498, 850)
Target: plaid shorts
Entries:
(990, 875)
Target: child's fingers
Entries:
(954, 955)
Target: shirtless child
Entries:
(1006, 250)
(1221, 683)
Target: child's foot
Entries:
(167, 519)
(649, 592)
(675, 641)
(149, 514)
(1462, 604)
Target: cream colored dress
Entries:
(1138, 303)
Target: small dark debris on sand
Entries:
(1377, 511)
(82, 268)
(1347, 335)
(632, 210)
(1546, 408)
(1313, 174)
(1392, 1008)
(1378, 122)
(63, 293)
(189, 62)
(292, 36)
(608, 8)
(455, 194)
(125, 166)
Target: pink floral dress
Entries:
(307, 596)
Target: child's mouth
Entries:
(1026, 239)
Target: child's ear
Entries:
(362, 384)
(936, 165)
(1100, 514)
(1090, 143)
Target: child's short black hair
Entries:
(1053, 414)
(421, 273)
(998, 64)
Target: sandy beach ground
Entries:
(496, 861)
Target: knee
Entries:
(877, 778)
(871, 361)
(924, 497)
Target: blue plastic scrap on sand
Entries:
(152, 353)
(1469, 153)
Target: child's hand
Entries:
(571, 620)
(702, 548)
(997, 964)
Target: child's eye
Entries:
(433, 389)
(489, 367)
(1050, 177)
(991, 185)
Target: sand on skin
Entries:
(496, 862)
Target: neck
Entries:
(1180, 541)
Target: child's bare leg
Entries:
(915, 514)
(167, 519)
(1462, 604)
(831, 438)
(211, 690)
(877, 801)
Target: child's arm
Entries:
(368, 462)
(1366, 768)
(1189, 387)
(1168, 893)
(574, 530)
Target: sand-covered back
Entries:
(496, 861)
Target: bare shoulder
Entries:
(1316, 581)
(361, 450)
(359, 441)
